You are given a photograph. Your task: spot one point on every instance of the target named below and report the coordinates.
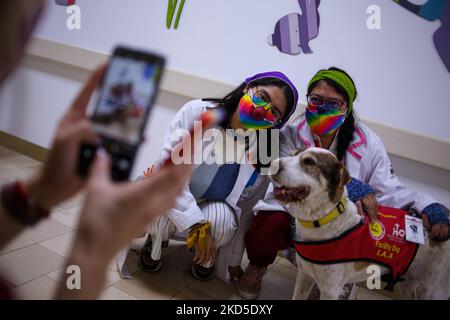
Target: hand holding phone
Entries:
(127, 95)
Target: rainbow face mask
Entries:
(255, 113)
(324, 120)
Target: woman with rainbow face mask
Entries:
(216, 207)
(329, 122)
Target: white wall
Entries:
(400, 77)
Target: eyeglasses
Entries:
(316, 100)
(259, 99)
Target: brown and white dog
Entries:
(310, 183)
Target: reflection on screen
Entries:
(127, 91)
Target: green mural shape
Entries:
(171, 11)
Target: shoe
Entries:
(235, 273)
(145, 262)
(201, 273)
(249, 285)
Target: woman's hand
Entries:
(438, 231)
(58, 180)
(436, 220)
(368, 205)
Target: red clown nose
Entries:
(259, 113)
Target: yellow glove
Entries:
(198, 234)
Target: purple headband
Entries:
(282, 77)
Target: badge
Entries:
(414, 230)
(377, 230)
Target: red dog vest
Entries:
(382, 242)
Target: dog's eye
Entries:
(308, 162)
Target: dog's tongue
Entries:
(290, 194)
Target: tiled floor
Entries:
(33, 262)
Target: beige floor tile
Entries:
(112, 277)
(45, 230)
(191, 294)
(61, 244)
(42, 288)
(5, 282)
(74, 211)
(13, 174)
(365, 294)
(174, 246)
(18, 162)
(75, 201)
(63, 217)
(112, 293)
(29, 263)
(7, 153)
(278, 284)
(165, 284)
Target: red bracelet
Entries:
(22, 207)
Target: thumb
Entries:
(101, 168)
(360, 208)
(426, 222)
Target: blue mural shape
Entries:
(434, 10)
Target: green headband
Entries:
(340, 78)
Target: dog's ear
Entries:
(345, 175)
(341, 177)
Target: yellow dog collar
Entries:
(340, 208)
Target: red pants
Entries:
(269, 232)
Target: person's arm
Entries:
(57, 181)
(392, 193)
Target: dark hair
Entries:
(347, 130)
(231, 101)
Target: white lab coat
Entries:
(366, 160)
(186, 212)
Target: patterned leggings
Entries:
(223, 227)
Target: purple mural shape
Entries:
(294, 31)
(441, 37)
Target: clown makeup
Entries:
(262, 107)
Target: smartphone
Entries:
(127, 94)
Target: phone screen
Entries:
(127, 94)
(128, 90)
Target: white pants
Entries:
(223, 227)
